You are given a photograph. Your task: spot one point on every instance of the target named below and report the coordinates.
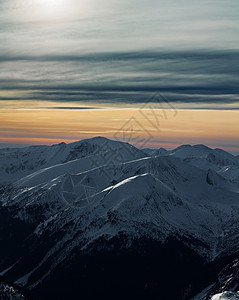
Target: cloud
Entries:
(130, 77)
(120, 51)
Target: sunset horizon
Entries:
(119, 149)
(166, 128)
(77, 69)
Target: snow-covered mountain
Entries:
(204, 157)
(72, 204)
(226, 296)
(201, 156)
(18, 163)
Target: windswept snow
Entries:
(226, 296)
(18, 163)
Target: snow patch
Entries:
(226, 296)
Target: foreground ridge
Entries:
(95, 208)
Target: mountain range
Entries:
(103, 218)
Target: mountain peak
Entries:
(98, 195)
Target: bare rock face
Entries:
(8, 292)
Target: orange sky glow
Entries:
(142, 127)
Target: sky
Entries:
(73, 69)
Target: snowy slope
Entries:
(114, 156)
(226, 296)
(186, 180)
(224, 163)
(186, 151)
(218, 156)
(98, 189)
(219, 296)
(155, 152)
(152, 197)
(226, 280)
(16, 163)
(230, 172)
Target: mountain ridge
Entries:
(103, 191)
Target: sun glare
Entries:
(54, 10)
(50, 2)
(49, 9)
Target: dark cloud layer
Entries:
(130, 77)
(120, 51)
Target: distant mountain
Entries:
(224, 163)
(155, 152)
(18, 163)
(100, 216)
(215, 156)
